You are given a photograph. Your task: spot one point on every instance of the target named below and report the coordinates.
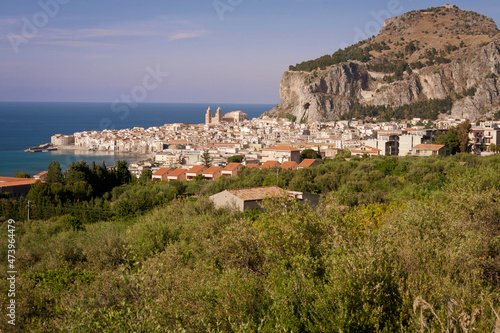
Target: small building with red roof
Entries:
(41, 176)
(195, 172)
(271, 164)
(308, 163)
(290, 165)
(231, 170)
(365, 150)
(16, 187)
(423, 150)
(252, 166)
(212, 173)
(177, 174)
(161, 174)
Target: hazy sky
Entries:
(214, 51)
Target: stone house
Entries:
(250, 198)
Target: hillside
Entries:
(437, 53)
(397, 245)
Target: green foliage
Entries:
(54, 173)
(146, 176)
(428, 109)
(206, 159)
(409, 263)
(291, 117)
(463, 130)
(235, 159)
(350, 53)
(22, 174)
(309, 154)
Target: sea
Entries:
(24, 125)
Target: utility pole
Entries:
(277, 176)
(28, 211)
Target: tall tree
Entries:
(450, 140)
(54, 174)
(235, 159)
(122, 173)
(206, 159)
(309, 154)
(146, 176)
(463, 136)
(78, 172)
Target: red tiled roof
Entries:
(8, 181)
(428, 147)
(252, 165)
(162, 172)
(270, 164)
(232, 166)
(177, 172)
(288, 165)
(212, 170)
(282, 148)
(197, 168)
(307, 162)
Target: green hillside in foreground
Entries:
(398, 244)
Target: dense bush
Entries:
(417, 250)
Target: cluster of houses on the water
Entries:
(226, 135)
(177, 150)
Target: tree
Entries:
(309, 154)
(146, 176)
(463, 136)
(122, 173)
(22, 174)
(235, 159)
(450, 140)
(54, 174)
(493, 147)
(206, 159)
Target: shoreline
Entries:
(73, 150)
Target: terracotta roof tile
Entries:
(428, 147)
(232, 166)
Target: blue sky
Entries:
(215, 51)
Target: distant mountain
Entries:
(426, 63)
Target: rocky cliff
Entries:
(420, 55)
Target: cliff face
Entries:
(469, 75)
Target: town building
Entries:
(177, 174)
(307, 163)
(41, 176)
(291, 165)
(195, 171)
(425, 150)
(270, 164)
(231, 170)
(251, 198)
(62, 140)
(212, 173)
(281, 154)
(161, 174)
(16, 187)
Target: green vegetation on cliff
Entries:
(427, 109)
(350, 53)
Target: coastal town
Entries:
(275, 142)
